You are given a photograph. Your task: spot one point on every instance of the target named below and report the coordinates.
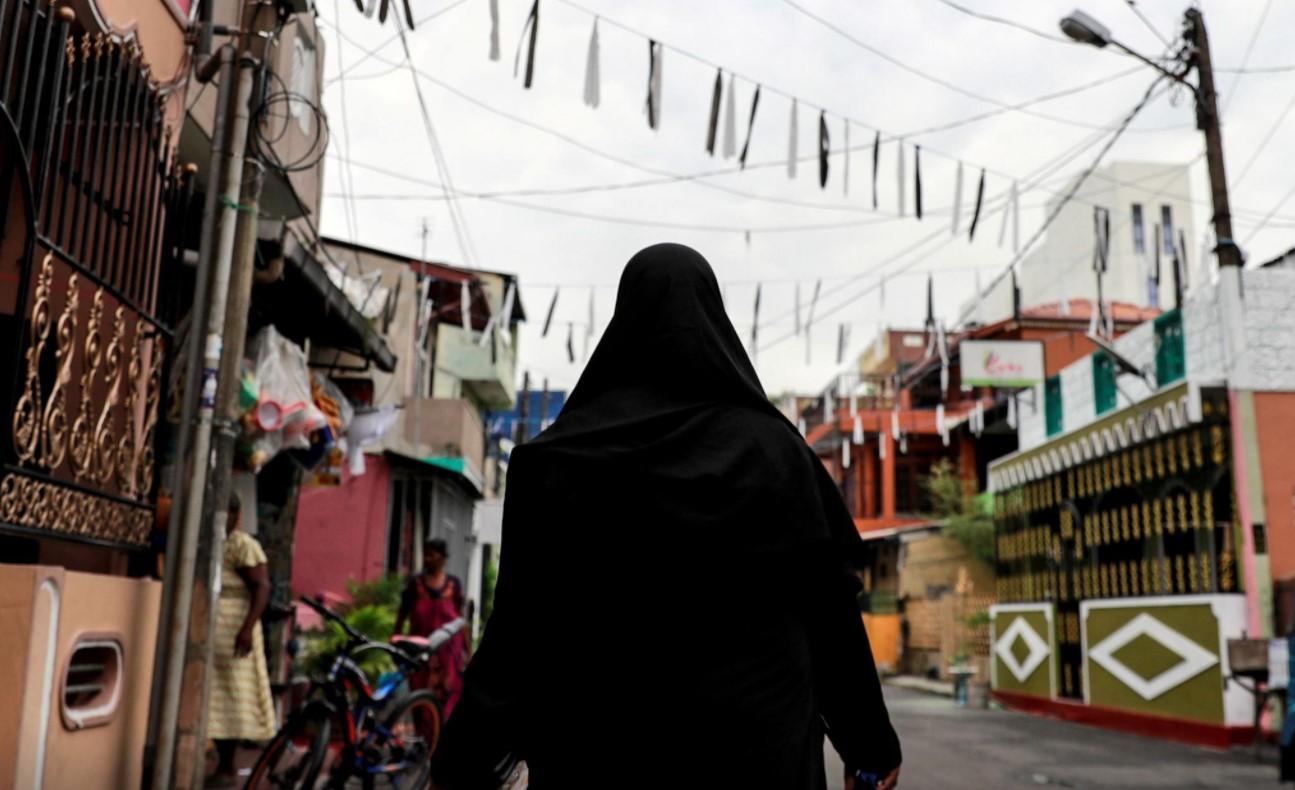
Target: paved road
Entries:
(948, 747)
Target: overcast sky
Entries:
(375, 122)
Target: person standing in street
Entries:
(718, 638)
(431, 599)
(241, 706)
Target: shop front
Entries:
(1118, 586)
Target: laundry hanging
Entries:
(917, 180)
(824, 149)
(532, 27)
(791, 141)
(593, 81)
(845, 160)
(494, 28)
(653, 104)
(899, 174)
(548, 317)
(876, 165)
(730, 119)
(750, 127)
(980, 201)
(957, 200)
(712, 126)
(505, 315)
(465, 305)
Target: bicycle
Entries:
(383, 734)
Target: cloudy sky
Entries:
(563, 194)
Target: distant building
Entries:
(1140, 197)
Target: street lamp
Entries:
(1082, 28)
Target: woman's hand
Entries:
(889, 782)
(243, 642)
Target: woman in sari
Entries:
(431, 599)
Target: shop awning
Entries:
(457, 467)
(305, 303)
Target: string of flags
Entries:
(721, 130)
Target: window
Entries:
(1139, 231)
(1171, 362)
(1167, 230)
(1103, 382)
(1052, 404)
(92, 683)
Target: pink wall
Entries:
(341, 532)
(1275, 420)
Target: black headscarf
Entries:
(673, 609)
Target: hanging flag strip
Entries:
(917, 180)
(505, 315)
(824, 149)
(494, 28)
(980, 201)
(653, 103)
(712, 126)
(755, 323)
(957, 199)
(842, 340)
(532, 27)
(589, 329)
(876, 165)
(548, 317)
(571, 343)
(465, 305)
(881, 445)
(750, 127)
(593, 81)
(858, 430)
(845, 455)
(730, 119)
(899, 174)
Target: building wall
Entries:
(1275, 416)
(341, 532)
(1061, 266)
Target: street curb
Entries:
(935, 687)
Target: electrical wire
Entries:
(347, 175)
(1132, 4)
(1008, 22)
(1245, 59)
(457, 220)
(371, 53)
(894, 61)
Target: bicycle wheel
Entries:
(412, 728)
(294, 755)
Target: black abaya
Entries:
(673, 606)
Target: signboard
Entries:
(1001, 363)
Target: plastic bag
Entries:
(285, 413)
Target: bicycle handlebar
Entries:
(329, 614)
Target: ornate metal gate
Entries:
(85, 178)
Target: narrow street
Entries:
(949, 747)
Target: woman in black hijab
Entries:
(708, 634)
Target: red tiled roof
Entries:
(1082, 309)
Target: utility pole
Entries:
(1207, 120)
(1248, 482)
(205, 510)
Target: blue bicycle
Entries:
(350, 730)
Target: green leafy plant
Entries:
(965, 520)
(372, 612)
(490, 577)
(978, 619)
